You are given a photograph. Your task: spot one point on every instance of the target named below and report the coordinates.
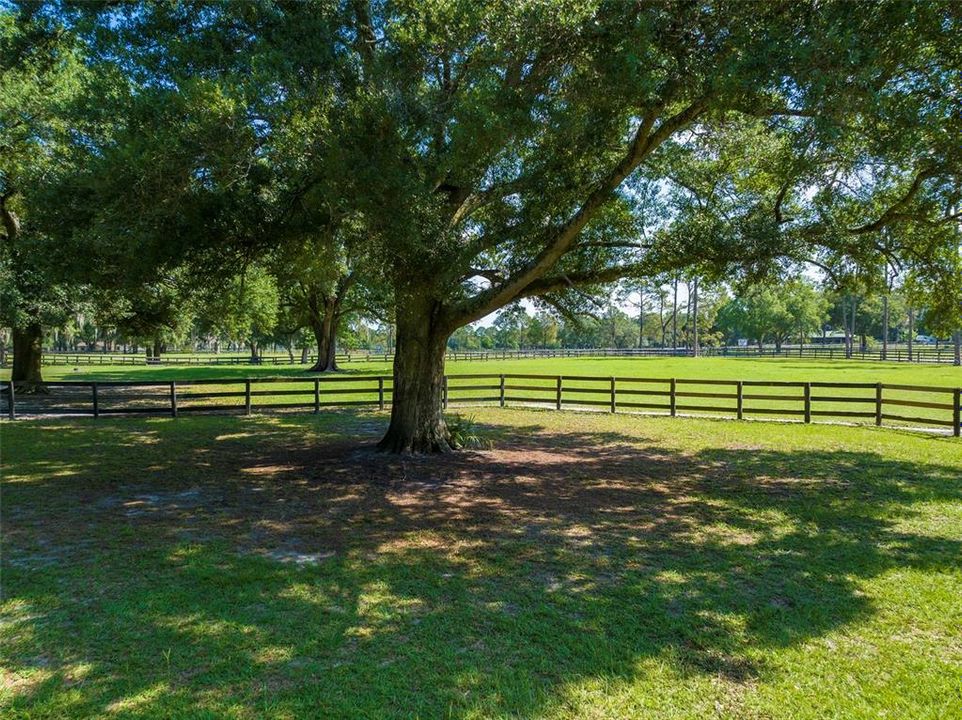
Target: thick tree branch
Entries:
(344, 285)
(774, 111)
(473, 202)
(616, 245)
(779, 199)
(365, 39)
(492, 275)
(893, 212)
(646, 140)
(574, 280)
(11, 222)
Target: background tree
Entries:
(315, 282)
(152, 313)
(41, 77)
(244, 309)
(792, 309)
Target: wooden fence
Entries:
(803, 401)
(96, 358)
(920, 354)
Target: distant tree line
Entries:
(251, 316)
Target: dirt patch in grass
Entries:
(302, 504)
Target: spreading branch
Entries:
(647, 139)
(894, 212)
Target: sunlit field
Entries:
(358, 384)
(581, 565)
(707, 368)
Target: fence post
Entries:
(612, 394)
(672, 400)
(808, 402)
(247, 397)
(11, 399)
(956, 412)
(878, 403)
(380, 393)
(317, 396)
(502, 391)
(739, 402)
(96, 400)
(173, 398)
(444, 392)
(557, 398)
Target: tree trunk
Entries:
(325, 318)
(253, 346)
(885, 326)
(417, 423)
(696, 350)
(911, 339)
(847, 328)
(661, 316)
(157, 346)
(27, 354)
(641, 328)
(674, 316)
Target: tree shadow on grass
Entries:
(269, 567)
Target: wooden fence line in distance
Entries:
(671, 396)
(923, 354)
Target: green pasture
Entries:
(357, 384)
(680, 367)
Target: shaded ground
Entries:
(589, 566)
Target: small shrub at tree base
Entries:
(466, 433)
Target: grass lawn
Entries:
(701, 368)
(585, 566)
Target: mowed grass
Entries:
(357, 384)
(680, 367)
(586, 566)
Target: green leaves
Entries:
(792, 310)
(545, 147)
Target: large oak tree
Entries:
(506, 147)
(496, 151)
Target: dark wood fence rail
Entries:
(874, 402)
(920, 354)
